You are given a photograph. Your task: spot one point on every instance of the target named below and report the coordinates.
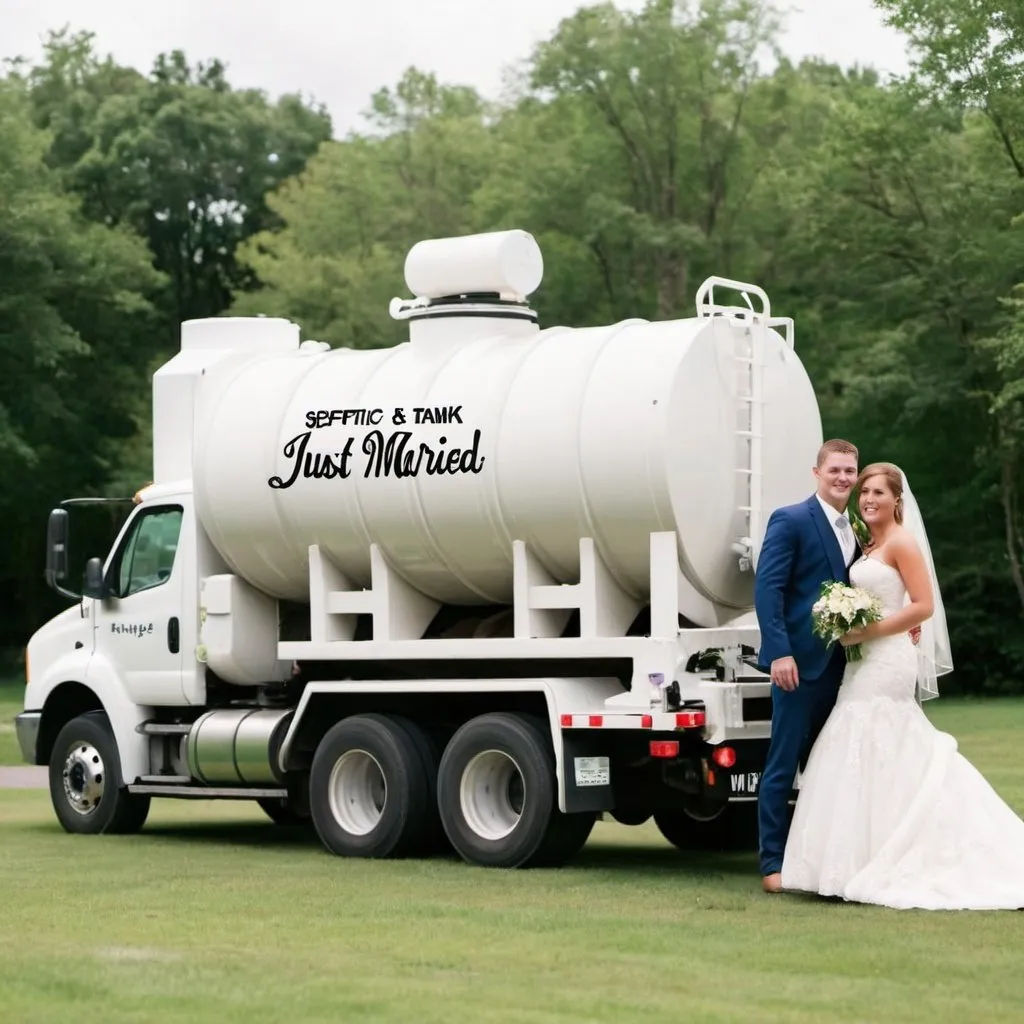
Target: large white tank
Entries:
(484, 429)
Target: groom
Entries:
(804, 546)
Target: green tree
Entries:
(351, 216)
(902, 220)
(666, 96)
(180, 156)
(970, 51)
(969, 55)
(74, 309)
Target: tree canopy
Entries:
(644, 149)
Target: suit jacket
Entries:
(800, 552)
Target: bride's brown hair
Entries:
(893, 477)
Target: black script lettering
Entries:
(393, 456)
(318, 466)
(386, 457)
(472, 461)
(294, 450)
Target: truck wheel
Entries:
(281, 811)
(496, 793)
(567, 835)
(290, 810)
(631, 816)
(733, 828)
(368, 791)
(429, 747)
(83, 775)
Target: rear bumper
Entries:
(26, 725)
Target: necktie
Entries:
(844, 542)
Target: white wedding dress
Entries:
(888, 811)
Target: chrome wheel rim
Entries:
(84, 778)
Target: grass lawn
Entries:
(213, 914)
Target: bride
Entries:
(888, 811)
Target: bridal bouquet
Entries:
(842, 608)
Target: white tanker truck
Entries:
(473, 590)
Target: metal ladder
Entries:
(749, 396)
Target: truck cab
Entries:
(128, 642)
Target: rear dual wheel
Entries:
(497, 796)
(377, 790)
(371, 788)
(724, 828)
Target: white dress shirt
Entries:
(841, 528)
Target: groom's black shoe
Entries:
(772, 882)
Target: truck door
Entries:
(139, 627)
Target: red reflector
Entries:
(566, 721)
(664, 748)
(711, 777)
(646, 721)
(725, 757)
(597, 720)
(689, 719)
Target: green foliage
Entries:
(124, 200)
(645, 149)
(181, 157)
(74, 305)
(350, 215)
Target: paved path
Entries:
(23, 777)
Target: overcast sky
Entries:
(341, 51)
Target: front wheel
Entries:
(83, 774)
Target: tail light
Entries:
(724, 757)
(664, 748)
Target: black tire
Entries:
(84, 776)
(567, 835)
(379, 804)
(426, 742)
(281, 811)
(291, 810)
(511, 817)
(631, 816)
(732, 829)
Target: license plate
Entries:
(592, 771)
(744, 783)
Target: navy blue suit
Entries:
(800, 553)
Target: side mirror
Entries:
(95, 585)
(57, 530)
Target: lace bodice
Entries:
(889, 665)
